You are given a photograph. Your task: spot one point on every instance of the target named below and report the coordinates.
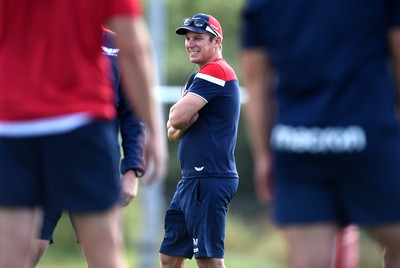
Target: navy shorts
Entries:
(359, 187)
(50, 220)
(49, 224)
(196, 217)
(72, 171)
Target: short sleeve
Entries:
(208, 82)
(252, 21)
(394, 12)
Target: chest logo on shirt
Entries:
(199, 168)
(110, 51)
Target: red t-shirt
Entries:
(51, 63)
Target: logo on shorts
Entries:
(195, 242)
(109, 51)
(199, 168)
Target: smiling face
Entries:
(202, 48)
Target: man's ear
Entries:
(218, 40)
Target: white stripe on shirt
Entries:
(43, 126)
(211, 79)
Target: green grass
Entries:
(251, 241)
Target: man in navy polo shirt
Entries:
(205, 121)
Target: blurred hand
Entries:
(263, 178)
(156, 157)
(129, 187)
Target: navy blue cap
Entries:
(212, 25)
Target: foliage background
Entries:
(252, 240)
(228, 14)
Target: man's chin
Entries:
(193, 60)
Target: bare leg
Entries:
(310, 245)
(210, 263)
(39, 248)
(172, 261)
(17, 232)
(347, 248)
(100, 238)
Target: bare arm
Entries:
(136, 61)
(260, 113)
(183, 115)
(394, 42)
(176, 134)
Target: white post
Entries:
(153, 207)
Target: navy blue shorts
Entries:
(50, 220)
(73, 171)
(49, 224)
(196, 218)
(359, 187)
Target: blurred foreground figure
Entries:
(128, 136)
(321, 114)
(56, 120)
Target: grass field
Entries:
(251, 242)
(245, 247)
